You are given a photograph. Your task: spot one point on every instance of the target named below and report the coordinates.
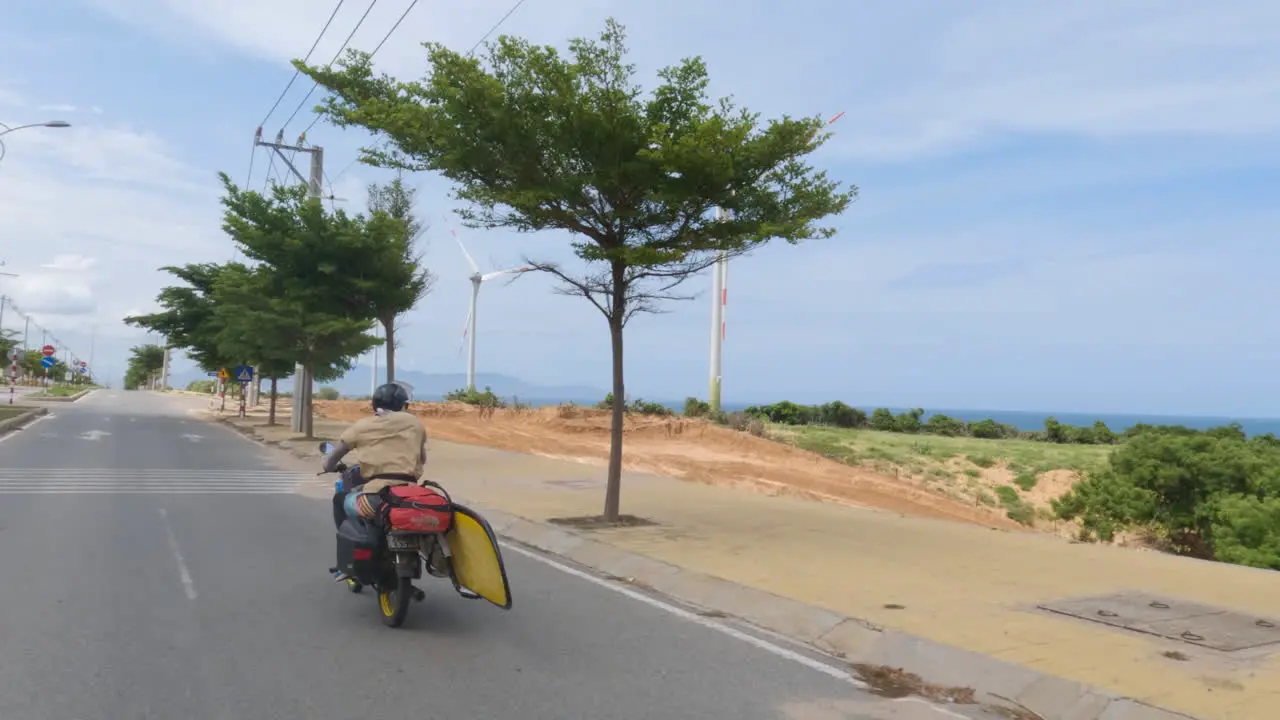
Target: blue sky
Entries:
(1070, 210)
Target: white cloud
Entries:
(73, 262)
(916, 77)
(59, 108)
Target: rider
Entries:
(391, 444)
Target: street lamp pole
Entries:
(6, 129)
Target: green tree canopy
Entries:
(536, 140)
(316, 283)
(406, 279)
(187, 318)
(144, 361)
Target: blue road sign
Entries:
(47, 362)
(212, 373)
(83, 370)
(243, 373)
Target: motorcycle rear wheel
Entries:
(394, 601)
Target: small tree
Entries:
(144, 360)
(408, 280)
(316, 281)
(538, 141)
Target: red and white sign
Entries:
(48, 350)
(84, 363)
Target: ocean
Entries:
(1034, 419)
(1118, 422)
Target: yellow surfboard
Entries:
(477, 559)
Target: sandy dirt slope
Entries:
(682, 448)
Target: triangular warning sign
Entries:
(246, 375)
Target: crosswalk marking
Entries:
(152, 481)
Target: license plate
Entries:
(400, 542)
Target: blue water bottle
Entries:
(339, 485)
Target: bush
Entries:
(882, 419)
(1211, 493)
(328, 393)
(991, 430)
(693, 407)
(840, 415)
(943, 425)
(908, 422)
(201, 386)
(473, 397)
(638, 406)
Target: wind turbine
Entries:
(470, 328)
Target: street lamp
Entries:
(6, 129)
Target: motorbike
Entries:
(386, 553)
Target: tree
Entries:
(411, 281)
(537, 141)
(144, 362)
(317, 280)
(187, 319)
(275, 332)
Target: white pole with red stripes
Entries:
(719, 299)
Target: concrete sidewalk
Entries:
(958, 585)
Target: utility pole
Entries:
(300, 421)
(164, 370)
(719, 296)
(374, 385)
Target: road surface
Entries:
(156, 566)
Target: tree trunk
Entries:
(389, 332)
(271, 413)
(613, 486)
(304, 401)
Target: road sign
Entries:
(212, 373)
(47, 361)
(84, 363)
(68, 376)
(223, 375)
(83, 370)
(48, 350)
(15, 353)
(244, 373)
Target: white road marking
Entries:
(682, 613)
(26, 427)
(94, 435)
(188, 585)
(193, 437)
(90, 481)
(811, 663)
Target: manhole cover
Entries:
(1202, 625)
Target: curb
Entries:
(69, 398)
(1025, 693)
(17, 423)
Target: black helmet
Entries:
(392, 397)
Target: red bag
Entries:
(415, 508)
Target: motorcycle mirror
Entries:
(326, 447)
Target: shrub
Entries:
(991, 430)
(201, 386)
(882, 419)
(693, 407)
(908, 422)
(840, 415)
(472, 397)
(638, 406)
(328, 393)
(944, 425)
(982, 461)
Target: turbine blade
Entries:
(466, 328)
(474, 268)
(500, 273)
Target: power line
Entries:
(331, 62)
(496, 25)
(296, 71)
(382, 42)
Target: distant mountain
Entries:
(434, 386)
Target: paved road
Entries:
(159, 567)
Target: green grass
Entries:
(66, 390)
(1021, 456)
(11, 411)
